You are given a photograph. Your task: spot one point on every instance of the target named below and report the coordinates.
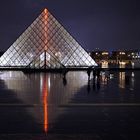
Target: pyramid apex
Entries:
(45, 10)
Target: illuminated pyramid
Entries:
(46, 44)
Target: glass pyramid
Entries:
(46, 44)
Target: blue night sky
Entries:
(104, 24)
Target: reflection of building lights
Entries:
(122, 63)
(10, 73)
(111, 76)
(104, 64)
(133, 64)
(49, 82)
(122, 79)
(132, 74)
(41, 83)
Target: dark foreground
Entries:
(50, 106)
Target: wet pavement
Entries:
(47, 106)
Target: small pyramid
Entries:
(46, 44)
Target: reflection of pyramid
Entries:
(46, 44)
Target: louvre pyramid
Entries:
(46, 44)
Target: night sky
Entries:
(103, 24)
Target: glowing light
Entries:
(123, 53)
(132, 53)
(46, 22)
(104, 64)
(132, 74)
(46, 11)
(133, 64)
(122, 63)
(42, 57)
(105, 53)
(122, 79)
(58, 54)
(45, 105)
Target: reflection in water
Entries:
(132, 81)
(96, 84)
(105, 77)
(122, 64)
(47, 90)
(45, 103)
(64, 81)
(126, 80)
(104, 64)
(122, 79)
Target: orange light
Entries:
(46, 14)
(45, 10)
(45, 105)
(45, 28)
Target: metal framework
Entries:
(46, 44)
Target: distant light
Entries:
(122, 63)
(123, 53)
(132, 53)
(105, 53)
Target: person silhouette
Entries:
(64, 81)
(98, 73)
(94, 73)
(64, 76)
(88, 73)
